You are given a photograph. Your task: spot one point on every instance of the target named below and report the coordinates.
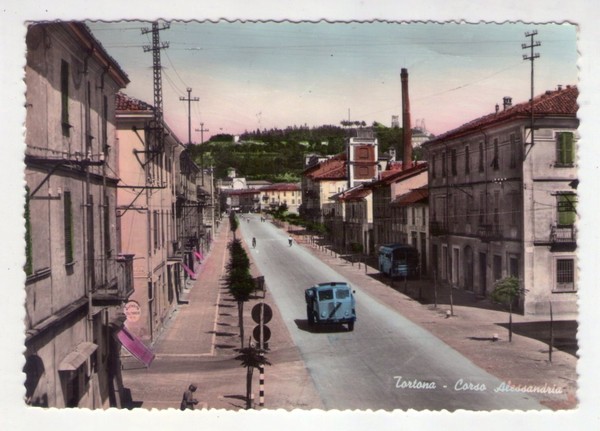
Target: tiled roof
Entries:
(414, 196)
(125, 103)
(396, 176)
(357, 193)
(332, 169)
(552, 103)
(281, 187)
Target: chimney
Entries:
(497, 108)
(406, 132)
(507, 102)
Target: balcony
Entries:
(489, 232)
(563, 237)
(113, 279)
(437, 228)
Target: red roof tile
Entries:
(552, 103)
(290, 187)
(332, 169)
(125, 103)
(414, 196)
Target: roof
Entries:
(399, 175)
(562, 102)
(124, 102)
(87, 38)
(282, 187)
(412, 197)
(357, 193)
(331, 169)
(242, 192)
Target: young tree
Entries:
(239, 280)
(251, 358)
(233, 223)
(507, 291)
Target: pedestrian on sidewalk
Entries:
(188, 401)
(290, 240)
(253, 242)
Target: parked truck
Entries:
(331, 302)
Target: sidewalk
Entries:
(198, 346)
(472, 327)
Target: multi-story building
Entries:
(158, 215)
(503, 201)
(400, 209)
(320, 181)
(77, 280)
(275, 195)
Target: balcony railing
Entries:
(489, 232)
(563, 234)
(113, 278)
(437, 228)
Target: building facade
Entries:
(77, 279)
(158, 216)
(275, 195)
(504, 204)
(400, 210)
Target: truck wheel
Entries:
(350, 326)
(310, 317)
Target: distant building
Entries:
(502, 205)
(274, 195)
(400, 209)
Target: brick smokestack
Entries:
(406, 132)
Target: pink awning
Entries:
(135, 346)
(188, 270)
(199, 255)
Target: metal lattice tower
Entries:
(157, 126)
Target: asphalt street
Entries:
(387, 362)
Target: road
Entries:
(387, 362)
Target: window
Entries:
(481, 157)
(105, 125)
(28, 240)
(444, 164)
(453, 161)
(566, 207)
(467, 160)
(482, 208)
(515, 210)
(107, 229)
(565, 274)
(68, 227)
(496, 161)
(433, 166)
(565, 149)
(497, 267)
(64, 97)
(513, 151)
(155, 220)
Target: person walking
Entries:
(253, 242)
(188, 401)
(290, 240)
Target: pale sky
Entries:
(264, 75)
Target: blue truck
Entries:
(331, 302)
(399, 260)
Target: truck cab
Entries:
(331, 302)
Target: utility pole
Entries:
(189, 100)
(202, 130)
(157, 127)
(531, 57)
